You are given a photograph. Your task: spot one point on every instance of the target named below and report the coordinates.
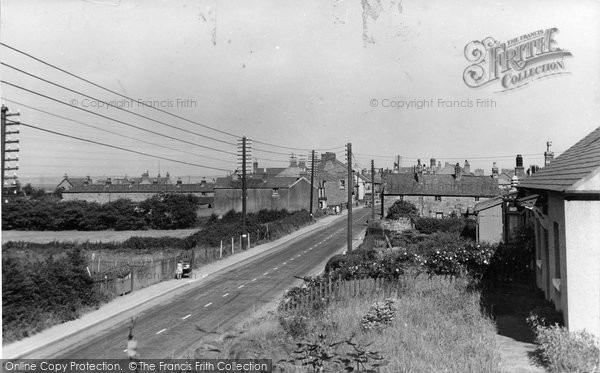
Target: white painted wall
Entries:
(582, 286)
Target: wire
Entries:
(116, 107)
(114, 92)
(464, 157)
(120, 148)
(105, 130)
(142, 103)
(114, 120)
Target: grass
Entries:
(438, 327)
(91, 236)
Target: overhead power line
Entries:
(109, 131)
(120, 148)
(115, 92)
(115, 106)
(150, 106)
(113, 119)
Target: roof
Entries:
(257, 182)
(142, 188)
(576, 163)
(440, 185)
(73, 181)
(488, 204)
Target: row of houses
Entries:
(561, 203)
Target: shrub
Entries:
(294, 324)
(564, 351)
(380, 315)
(402, 209)
(431, 225)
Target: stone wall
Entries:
(428, 206)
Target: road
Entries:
(169, 329)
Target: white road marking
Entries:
(185, 317)
(253, 280)
(275, 268)
(291, 259)
(125, 350)
(204, 275)
(160, 331)
(266, 273)
(241, 286)
(226, 294)
(284, 263)
(207, 304)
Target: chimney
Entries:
(457, 172)
(179, 182)
(467, 167)
(293, 161)
(432, 164)
(108, 181)
(495, 171)
(328, 156)
(548, 155)
(519, 169)
(255, 166)
(203, 181)
(514, 181)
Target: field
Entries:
(92, 236)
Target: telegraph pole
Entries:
(312, 181)
(3, 151)
(243, 193)
(372, 189)
(350, 190)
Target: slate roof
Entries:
(488, 204)
(142, 188)
(256, 183)
(574, 164)
(440, 185)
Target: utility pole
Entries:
(350, 190)
(312, 181)
(372, 189)
(243, 246)
(3, 151)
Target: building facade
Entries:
(563, 200)
(290, 193)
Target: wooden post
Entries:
(248, 241)
(221, 250)
(232, 249)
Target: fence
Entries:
(331, 289)
(116, 278)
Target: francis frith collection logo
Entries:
(516, 62)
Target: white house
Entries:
(564, 198)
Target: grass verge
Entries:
(438, 327)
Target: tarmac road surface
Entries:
(169, 328)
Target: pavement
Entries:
(119, 307)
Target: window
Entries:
(342, 184)
(203, 193)
(556, 252)
(439, 215)
(438, 198)
(476, 199)
(275, 191)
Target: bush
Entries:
(51, 291)
(431, 225)
(380, 315)
(564, 351)
(402, 209)
(163, 211)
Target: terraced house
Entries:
(438, 195)
(564, 203)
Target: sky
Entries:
(300, 75)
